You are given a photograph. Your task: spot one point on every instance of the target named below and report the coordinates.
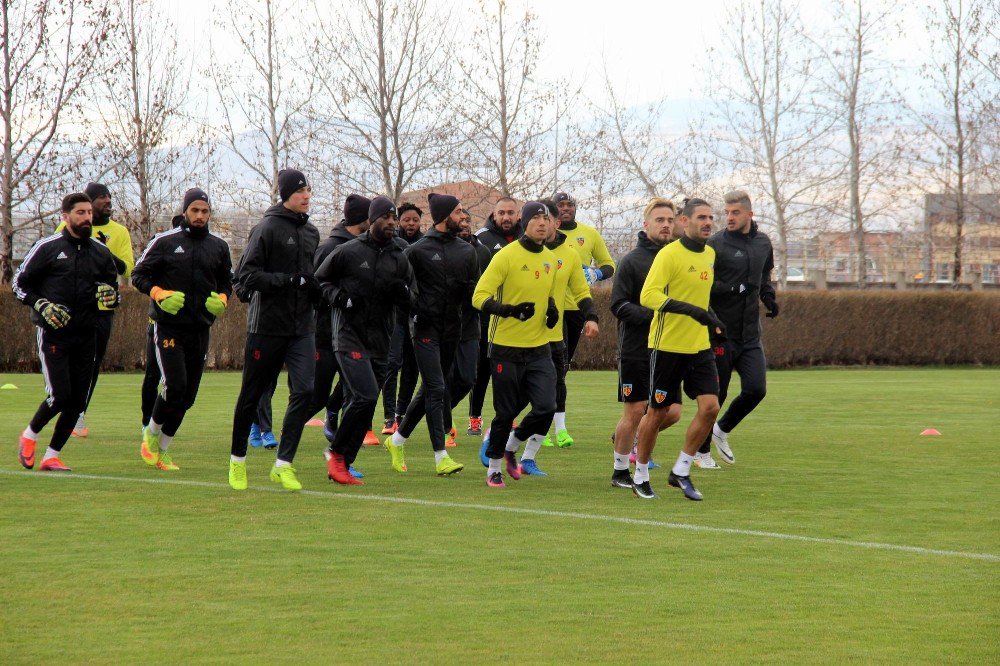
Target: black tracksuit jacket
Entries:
(370, 274)
(189, 260)
(470, 315)
(338, 236)
(280, 246)
(633, 319)
(445, 271)
(65, 271)
(745, 259)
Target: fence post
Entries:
(901, 280)
(819, 278)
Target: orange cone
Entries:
(929, 432)
(314, 422)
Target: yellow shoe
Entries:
(447, 466)
(398, 455)
(165, 463)
(150, 447)
(238, 475)
(285, 475)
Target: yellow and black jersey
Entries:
(590, 247)
(569, 281)
(681, 271)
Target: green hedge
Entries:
(815, 328)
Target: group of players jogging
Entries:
(378, 299)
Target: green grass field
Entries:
(140, 566)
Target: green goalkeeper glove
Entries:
(53, 314)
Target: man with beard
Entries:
(64, 278)
(116, 237)
(502, 227)
(277, 270)
(677, 290)
(363, 280)
(633, 330)
(517, 291)
(445, 270)
(187, 273)
(401, 359)
(743, 263)
(597, 265)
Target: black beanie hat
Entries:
(531, 209)
(442, 205)
(563, 196)
(192, 195)
(380, 206)
(356, 209)
(289, 181)
(95, 190)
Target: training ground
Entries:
(841, 535)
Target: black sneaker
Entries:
(684, 483)
(643, 490)
(621, 479)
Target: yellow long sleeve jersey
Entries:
(682, 271)
(118, 240)
(590, 247)
(520, 272)
(569, 281)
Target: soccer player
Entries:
(187, 273)
(677, 289)
(151, 377)
(116, 237)
(363, 280)
(402, 364)
(277, 269)
(597, 265)
(517, 290)
(445, 270)
(502, 227)
(570, 281)
(64, 278)
(633, 329)
(743, 263)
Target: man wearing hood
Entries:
(187, 274)
(276, 269)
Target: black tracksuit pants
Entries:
(434, 359)
(560, 360)
(67, 366)
(573, 321)
(364, 377)
(326, 370)
(402, 366)
(463, 377)
(105, 322)
(478, 396)
(180, 354)
(263, 357)
(151, 380)
(747, 359)
(516, 384)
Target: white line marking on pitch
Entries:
(871, 545)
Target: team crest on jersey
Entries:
(558, 264)
(547, 266)
(626, 390)
(660, 396)
(580, 240)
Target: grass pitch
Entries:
(128, 569)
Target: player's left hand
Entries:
(772, 307)
(107, 295)
(593, 275)
(216, 303)
(590, 329)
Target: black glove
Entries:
(771, 305)
(342, 300)
(551, 314)
(102, 237)
(647, 316)
(716, 328)
(399, 292)
(305, 282)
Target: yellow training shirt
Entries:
(591, 249)
(684, 275)
(517, 275)
(118, 240)
(569, 280)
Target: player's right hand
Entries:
(55, 315)
(170, 302)
(523, 311)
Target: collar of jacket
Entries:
(737, 234)
(369, 240)
(491, 224)
(647, 243)
(340, 231)
(193, 232)
(692, 244)
(557, 241)
(530, 245)
(568, 226)
(443, 235)
(71, 238)
(472, 240)
(417, 235)
(279, 210)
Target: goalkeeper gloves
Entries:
(216, 303)
(53, 314)
(593, 275)
(107, 295)
(170, 302)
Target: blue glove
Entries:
(593, 275)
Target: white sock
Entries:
(719, 432)
(513, 443)
(50, 453)
(560, 421)
(81, 420)
(165, 442)
(683, 465)
(155, 428)
(440, 455)
(398, 439)
(641, 473)
(30, 434)
(621, 461)
(494, 466)
(281, 463)
(238, 459)
(531, 448)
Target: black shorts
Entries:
(633, 379)
(696, 371)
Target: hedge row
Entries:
(815, 328)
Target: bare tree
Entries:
(766, 124)
(384, 68)
(48, 52)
